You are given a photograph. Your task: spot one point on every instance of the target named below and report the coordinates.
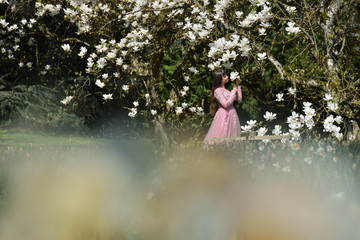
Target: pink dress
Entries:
(226, 122)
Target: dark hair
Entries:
(217, 79)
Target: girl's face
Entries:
(225, 78)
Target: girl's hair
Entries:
(217, 78)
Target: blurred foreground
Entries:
(253, 192)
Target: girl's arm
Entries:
(225, 102)
(239, 93)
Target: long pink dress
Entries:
(226, 122)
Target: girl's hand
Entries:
(234, 90)
(237, 81)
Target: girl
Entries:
(226, 121)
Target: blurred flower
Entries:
(99, 83)
(277, 130)
(291, 9)
(66, 47)
(82, 52)
(261, 56)
(133, 112)
(332, 106)
(291, 28)
(192, 109)
(262, 131)
(107, 96)
(269, 116)
(136, 103)
(279, 97)
(328, 97)
(153, 112)
(262, 31)
(178, 110)
(170, 102)
(233, 75)
(308, 160)
(67, 100)
(125, 87)
(292, 91)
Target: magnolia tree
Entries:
(155, 57)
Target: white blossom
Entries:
(178, 110)
(107, 96)
(125, 87)
(136, 103)
(332, 106)
(66, 47)
(153, 112)
(262, 131)
(328, 97)
(234, 75)
(269, 116)
(99, 83)
(67, 100)
(82, 52)
(291, 28)
(170, 102)
(261, 56)
(292, 91)
(277, 130)
(279, 97)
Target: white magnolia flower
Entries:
(246, 128)
(262, 31)
(66, 47)
(234, 75)
(105, 76)
(184, 105)
(332, 106)
(67, 100)
(192, 109)
(107, 96)
(291, 9)
(101, 62)
(279, 97)
(292, 91)
(125, 87)
(99, 83)
(136, 103)
(153, 112)
(291, 28)
(261, 56)
(47, 67)
(186, 88)
(251, 123)
(178, 110)
(170, 102)
(328, 97)
(338, 119)
(147, 96)
(269, 116)
(82, 52)
(262, 131)
(277, 130)
(132, 114)
(294, 134)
